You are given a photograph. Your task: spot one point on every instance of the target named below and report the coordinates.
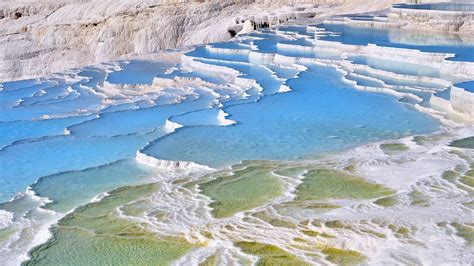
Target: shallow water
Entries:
(70, 189)
(22, 164)
(319, 115)
(468, 86)
(72, 141)
(400, 39)
(439, 6)
(138, 72)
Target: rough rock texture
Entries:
(40, 37)
(452, 21)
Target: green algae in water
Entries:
(422, 140)
(326, 235)
(352, 168)
(245, 189)
(323, 184)
(116, 198)
(460, 155)
(310, 233)
(77, 247)
(388, 201)
(321, 205)
(469, 204)
(299, 239)
(468, 178)
(450, 175)
(338, 225)
(400, 230)
(288, 208)
(419, 140)
(95, 235)
(466, 143)
(269, 254)
(274, 221)
(374, 233)
(210, 261)
(79, 187)
(343, 256)
(466, 232)
(7, 233)
(419, 199)
(403, 231)
(137, 208)
(292, 171)
(307, 205)
(393, 147)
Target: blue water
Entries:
(94, 141)
(54, 93)
(73, 188)
(141, 120)
(94, 76)
(468, 86)
(204, 52)
(138, 72)
(21, 130)
(22, 164)
(284, 72)
(362, 17)
(320, 115)
(300, 30)
(230, 45)
(11, 97)
(446, 94)
(205, 76)
(206, 117)
(86, 100)
(439, 6)
(262, 75)
(270, 41)
(14, 85)
(394, 38)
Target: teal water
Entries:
(140, 120)
(138, 72)
(70, 141)
(439, 6)
(68, 190)
(11, 132)
(22, 164)
(399, 38)
(319, 115)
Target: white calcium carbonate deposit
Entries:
(5, 218)
(35, 34)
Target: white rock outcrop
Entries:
(41, 37)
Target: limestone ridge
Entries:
(42, 37)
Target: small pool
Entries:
(138, 72)
(399, 38)
(468, 85)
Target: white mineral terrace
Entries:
(420, 228)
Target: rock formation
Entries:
(41, 37)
